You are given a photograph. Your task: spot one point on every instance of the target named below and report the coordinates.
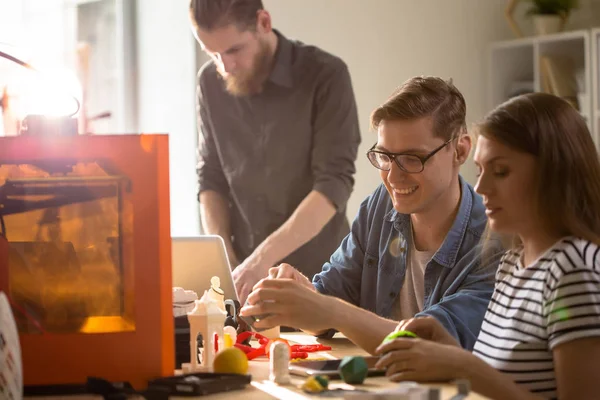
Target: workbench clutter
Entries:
(212, 328)
(353, 370)
(319, 386)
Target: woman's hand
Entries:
(421, 360)
(428, 328)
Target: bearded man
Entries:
(278, 136)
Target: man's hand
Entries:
(288, 272)
(246, 275)
(288, 302)
(427, 328)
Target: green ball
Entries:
(353, 369)
(395, 335)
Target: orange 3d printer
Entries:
(85, 256)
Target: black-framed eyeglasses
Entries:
(410, 163)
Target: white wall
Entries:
(166, 104)
(166, 78)
(11, 21)
(11, 28)
(385, 42)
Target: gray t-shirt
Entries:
(266, 152)
(412, 294)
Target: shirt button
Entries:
(392, 295)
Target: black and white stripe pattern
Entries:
(533, 309)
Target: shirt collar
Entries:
(446, 255)
(282, 67)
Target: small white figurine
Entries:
(206, 319)
(216, 293)
(280, 361)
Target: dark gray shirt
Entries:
(266, 152)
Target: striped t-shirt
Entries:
(554, 300)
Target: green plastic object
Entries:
(322, 380)
(353, 369)
(395, 335)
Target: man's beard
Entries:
(251, 82)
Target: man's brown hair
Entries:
(426, 96)
(213, 14)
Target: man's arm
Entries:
(287, 301)
(290, 302)
(213, 187)
(461, 313)
(311, 215)
(215, 218)
(362, 327)
(336, 135)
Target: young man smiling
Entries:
(414, 248)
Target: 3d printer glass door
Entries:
(67, 228)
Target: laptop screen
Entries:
(196, 260)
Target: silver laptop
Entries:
(196, 260)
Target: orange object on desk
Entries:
(87, 258)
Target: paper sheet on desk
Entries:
(291, 392)
(11, 369)
(403, 391)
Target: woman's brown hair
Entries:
(568, 171)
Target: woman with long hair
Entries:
(540, 338)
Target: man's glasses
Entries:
(410, 163)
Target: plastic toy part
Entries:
(399, 334)
(279, 363)
(315, 384)
(353, 369)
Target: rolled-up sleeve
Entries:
(209, 168)
(342, 275)
(336, 135)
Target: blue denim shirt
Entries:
(368, 268)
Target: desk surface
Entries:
(261, 388)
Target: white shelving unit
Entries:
(519, 61)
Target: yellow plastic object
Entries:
(227, 342)
(312, 385)
(231, 361)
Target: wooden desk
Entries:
(261, 388)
